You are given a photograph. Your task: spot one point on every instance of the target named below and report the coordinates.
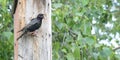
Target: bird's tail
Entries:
(21, 30)
(21, 35)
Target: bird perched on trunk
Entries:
(32, 26)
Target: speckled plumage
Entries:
(32, 26)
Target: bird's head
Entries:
(40, 16)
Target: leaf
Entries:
(95, 55)
(64, 50)
(7, 34)
(59, 25)
(56, 46)
(106, 52)
(86, 27)
(77, 53)
(89, 41)
(57, 5)
(70, 56)
(84, 2)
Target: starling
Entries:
(32, 26)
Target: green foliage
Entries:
(73, 22)
(6, 36)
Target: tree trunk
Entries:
(31, 47)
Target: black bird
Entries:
(32, 26)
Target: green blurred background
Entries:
(81, 30)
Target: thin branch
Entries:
(116, 48)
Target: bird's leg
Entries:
(34, 33)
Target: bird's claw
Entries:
(34, 33)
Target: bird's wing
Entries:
(33, 21)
